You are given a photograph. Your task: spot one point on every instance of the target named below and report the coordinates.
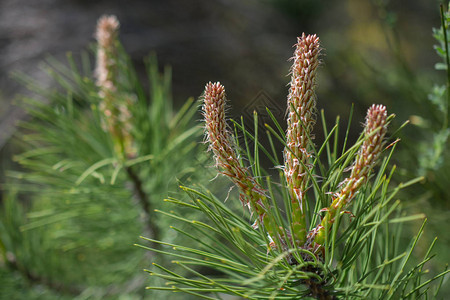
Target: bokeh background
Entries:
(244, 44)
(375, 51)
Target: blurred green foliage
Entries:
(74, 209)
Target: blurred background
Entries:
(375, 51)
(244, 44)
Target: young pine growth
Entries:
(289, 253)
(374, 132)
(221, 143)
(114, 105)
(297, 154)
(301, 119)
(94, 167)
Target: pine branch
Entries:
(447, 62)
(275, 258)
(145, 203)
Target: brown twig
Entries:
(317, 289)
(145, 203)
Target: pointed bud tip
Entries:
(107, 27)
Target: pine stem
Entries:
(144, 201)
(317, 289)
(447, 61)
(318, 292)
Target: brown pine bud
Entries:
(106, 36)
(301, 120)
(221, 144)
(374, 132)
(114, 105)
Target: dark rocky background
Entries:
(244, 44)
